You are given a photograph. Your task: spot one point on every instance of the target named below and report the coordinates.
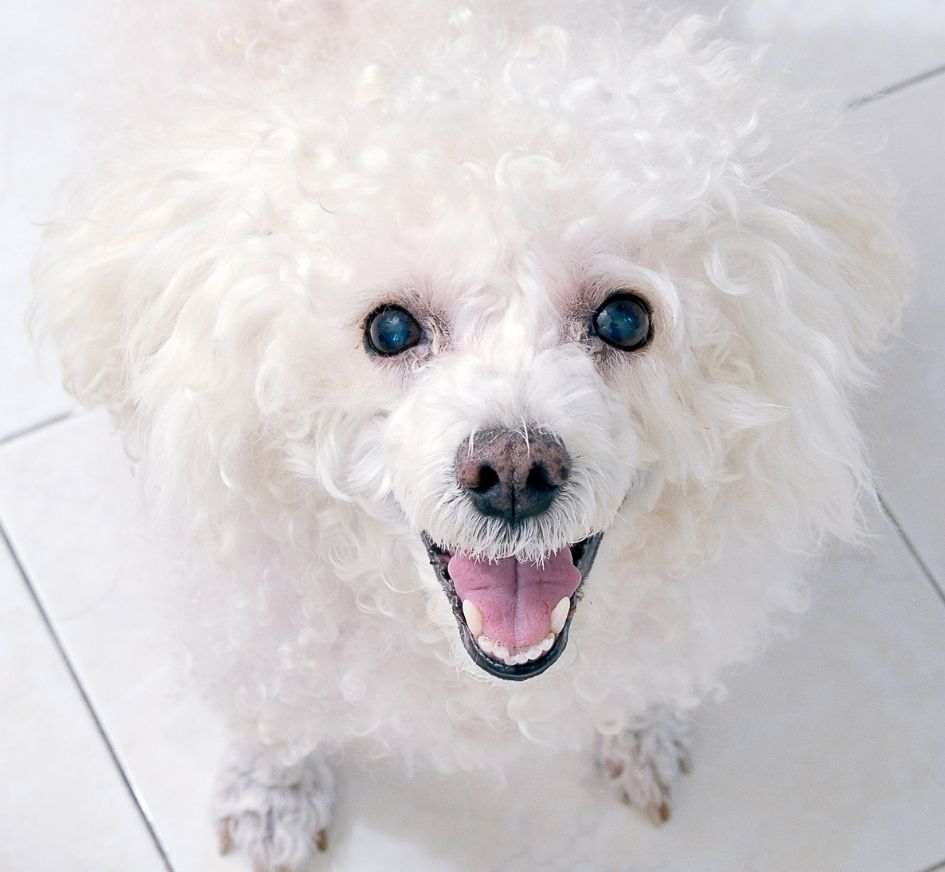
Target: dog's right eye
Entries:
(623, 321)
(390, 330)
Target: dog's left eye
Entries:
(391, 330)
(623, 321)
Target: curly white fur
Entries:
(499, 169)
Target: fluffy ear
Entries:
(179, 297)
(812, 274)
(845, 204)
(78, 277)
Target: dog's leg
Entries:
(643, 763)
(277, 815)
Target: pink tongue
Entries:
(516, 599)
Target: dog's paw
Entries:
(276, 816)
(643, 764)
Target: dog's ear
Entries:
(812, 273)
(79, 278)
(180, 297)
(846, 204)
(127, 272)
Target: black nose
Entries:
(508, 477)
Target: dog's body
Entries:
(503, 186)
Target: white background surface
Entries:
(829, 754)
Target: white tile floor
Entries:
(828, 755)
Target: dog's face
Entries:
(505, 436)
(591, 300)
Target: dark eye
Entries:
(623, 321)
(391, 330)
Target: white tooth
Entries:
(534, 652)
(546, 643)
(473, 617)
(485, 644)
(500, 651)
(560, 614)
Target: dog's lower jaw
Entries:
(643, 763)
(277, 816)
(492, 657)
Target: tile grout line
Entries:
(923, 566)
(895, 88)
(57, 641)
(7, 438)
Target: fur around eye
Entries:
(391, 330)
(623, 321)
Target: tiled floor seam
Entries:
(913, 551)
(896, 87)
(6, 543)
(36, 427)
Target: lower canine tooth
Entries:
(473, 617)
(560, 614)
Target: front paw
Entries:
(276, 816)
(643, 764)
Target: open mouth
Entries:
(513, 616)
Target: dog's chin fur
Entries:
(499, 170)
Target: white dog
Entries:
(501, 358)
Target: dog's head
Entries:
(503, 300)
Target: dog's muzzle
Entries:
(513, 615)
